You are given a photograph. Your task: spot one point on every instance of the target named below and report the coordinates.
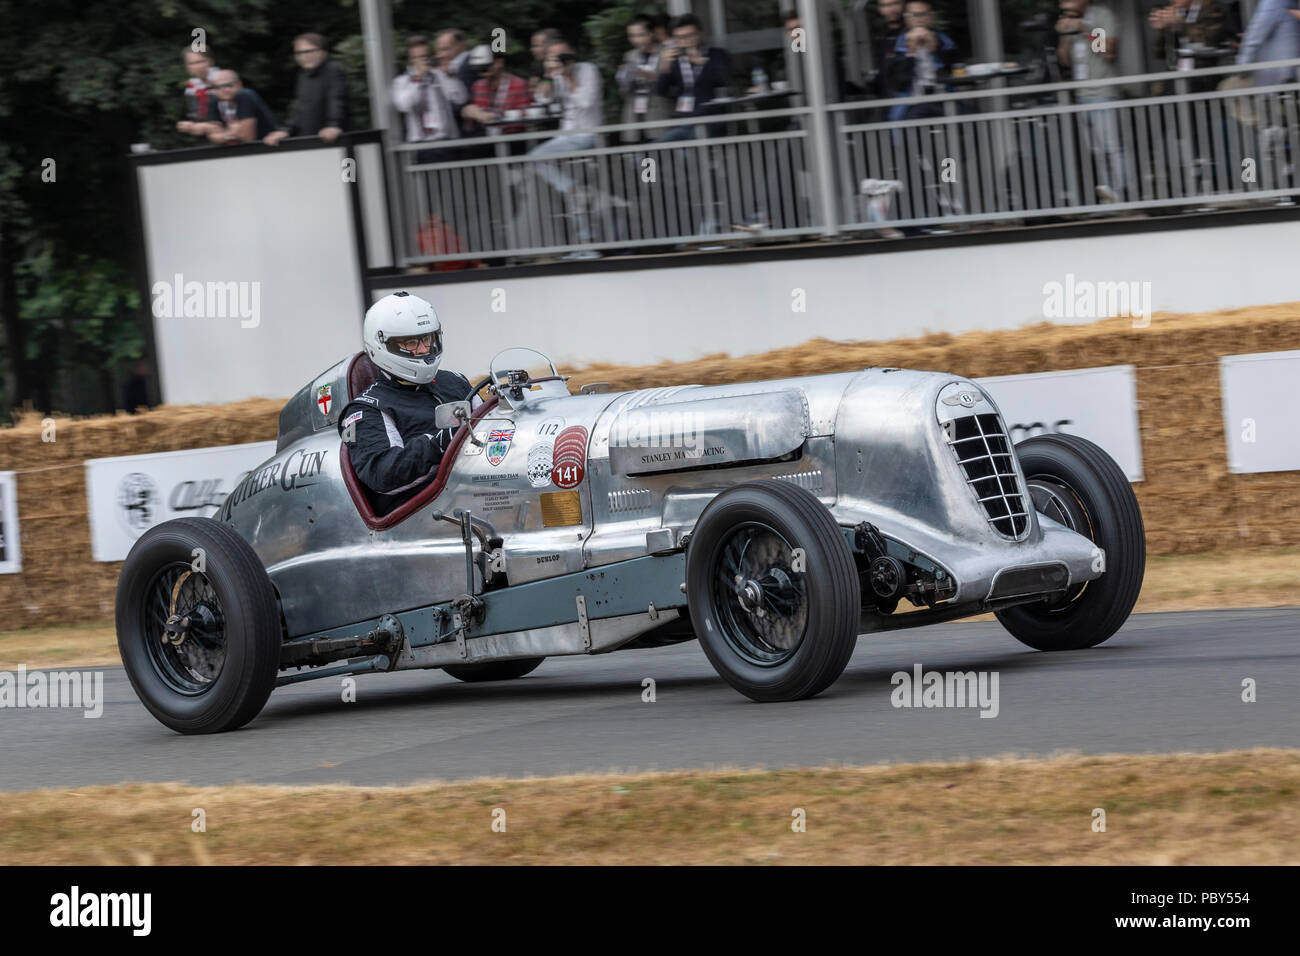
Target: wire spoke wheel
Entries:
(764, 602)
(201, 648)
(773, 591)
(184, 629)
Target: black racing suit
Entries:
(395, 449)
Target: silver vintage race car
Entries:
(776, 521)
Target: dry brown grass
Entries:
(80, 645)
(1178, 582)
(1195, 582)
(1219, 809)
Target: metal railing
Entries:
(714, 186)
(1080, 150)
(987, 157)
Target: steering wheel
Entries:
(486, 380)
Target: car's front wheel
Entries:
(1075, 482)
(198, 626)
(773, 591)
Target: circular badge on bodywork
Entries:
(541, 459)
(569, 461)
(567, 474)
(960, 395)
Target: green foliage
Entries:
(90, 301)
(84, 79)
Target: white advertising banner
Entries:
(1099, 404)
(127, 496)
(11, 554)
(1259, 420)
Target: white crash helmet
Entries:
(396, 317)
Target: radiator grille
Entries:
(986, 457)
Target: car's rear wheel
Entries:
(198, 627)
(1075, 482)
(773, 591)
(493, 670)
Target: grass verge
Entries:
(1235, 808)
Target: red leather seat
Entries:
(361, 373)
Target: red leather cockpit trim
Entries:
(383, 522)
(361, 374)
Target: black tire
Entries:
(224, 668)
(493, 670)
(1096, 500)
(808, 626)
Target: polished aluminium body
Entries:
(881, 446)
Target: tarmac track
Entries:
(1166, 682)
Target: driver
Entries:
(388, 428)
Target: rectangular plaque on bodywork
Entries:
(560, 508)
(674, 436)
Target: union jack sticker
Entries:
(498, 447)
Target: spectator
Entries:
(789, 24)
(496, 92)
(200, 104)
(660, 28)
(637, 77)
(321, 94)
(1273, 34)
(428, 97)
(242, 115)
(797, 41)
(478, 62)
(920, 62)
(537, 76)
(580, 91)
(453, 55)
(1088, 49)
(690, 74)
(1182, 23)
(891, 11)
